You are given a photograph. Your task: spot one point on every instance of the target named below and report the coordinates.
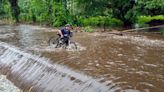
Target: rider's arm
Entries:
(60, 33)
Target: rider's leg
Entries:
(66, 40)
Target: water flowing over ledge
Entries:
(34, 73)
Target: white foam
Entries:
(45, 48)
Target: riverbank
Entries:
(159, 29)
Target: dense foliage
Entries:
(81, 12)
(144, 20)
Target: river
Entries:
(132, 62)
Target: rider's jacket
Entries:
(65, 32)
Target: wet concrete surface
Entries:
(7, 86)
(133, 62)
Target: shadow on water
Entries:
(132, 62)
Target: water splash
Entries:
(45, 48)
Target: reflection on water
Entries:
(132, 62)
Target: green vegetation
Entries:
(101, 21)
(162, 31)
(88, 29)
(101, 13)
(143, 20)
(5, 10)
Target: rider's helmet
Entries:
(69, 25)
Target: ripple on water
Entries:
(143, 41)
(7, 35)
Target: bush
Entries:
(162, 30)
(142, 20)
(101, 21)
(57, 22)
(88, 29)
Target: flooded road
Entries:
(130, 63)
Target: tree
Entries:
(124, 10)
(92, 7)
(151, 7)
(15, 9)
(1, 8)
(59, 12)
(120, 9)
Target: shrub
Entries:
(142, 20)
(88, 29)
(162, 30)
(101, 21)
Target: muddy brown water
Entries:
(133, 62)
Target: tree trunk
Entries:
(15, 9)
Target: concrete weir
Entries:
(32, 73)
